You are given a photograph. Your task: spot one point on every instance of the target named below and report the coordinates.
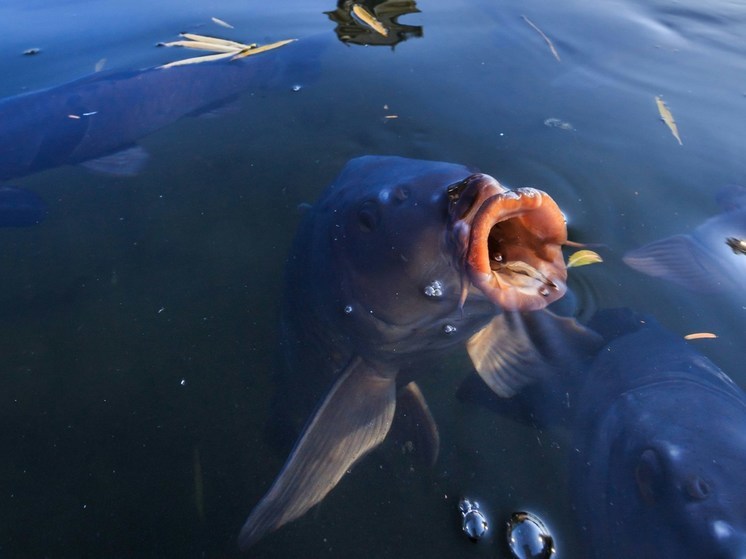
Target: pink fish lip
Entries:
(509, 243)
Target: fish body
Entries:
(660, 448)
(107, 112)
(658, 439)
(703, 260)
(391, 266)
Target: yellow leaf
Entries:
(361, 13)
(263, 48)
(667, 117)
(700, 336)
(583, 258)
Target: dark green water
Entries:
(138, 322)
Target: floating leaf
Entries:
(222, 23)
(700, 336)
(199, 59)
(201, 45)
(543, 36)
(667, 117)
(214, 40)
(583, 258)
(256, 50)
(361, 13)
(224, 48)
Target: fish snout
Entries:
(514, 250)
(730, 543)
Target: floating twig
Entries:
(543, 36)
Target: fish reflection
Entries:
(659, 444)
(374, 22)
(390, 266)
(710, 258)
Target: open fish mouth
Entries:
(509, 243)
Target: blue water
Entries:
(138, 321)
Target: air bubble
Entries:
(434, 289)
(449, 328)
(529, 538)
(348, 309)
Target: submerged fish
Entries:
(706, 260)
(661, 448)
(659, 444)
(98, 118)
(395, 263)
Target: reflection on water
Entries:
(385, 28)
(138, 320)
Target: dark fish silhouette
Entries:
(98, 118)
(398, 260)
(706, 260)
(659, 442)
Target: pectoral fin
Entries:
(352, 420)
(516, 349)
(414, 423)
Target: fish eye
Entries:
(649, 476)
(368, 216)
(697, 488)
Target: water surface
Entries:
(138, 321)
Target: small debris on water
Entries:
(222, 23)
(296, 87)
(558, 123)
(348, 309)
(547, 40)
(701, 336)
(449, 328)
(31, 52)
(667, 118)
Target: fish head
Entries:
(419, 242)
(676, 484)
(694, 495)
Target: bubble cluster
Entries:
(434, 289)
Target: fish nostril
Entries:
(697, 488)
(401, 193)
(368, 216)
